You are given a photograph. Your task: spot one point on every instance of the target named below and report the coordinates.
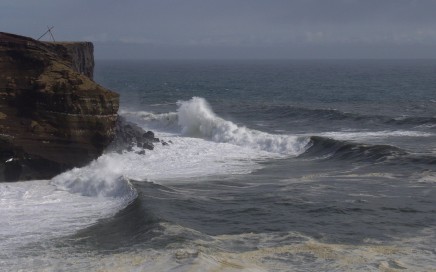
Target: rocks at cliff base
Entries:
(52, 115)
(13, 169)
(148, 145)
(128, 135)
(148, 135)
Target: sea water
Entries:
(272, 166)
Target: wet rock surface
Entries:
(128, 135)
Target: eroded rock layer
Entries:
(52, 115)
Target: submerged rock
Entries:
(53, 116)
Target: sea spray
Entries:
(154, 121)
(102, 178)
(196, 119)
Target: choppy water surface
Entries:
(273, 166)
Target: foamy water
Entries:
(195, 118)
(206, 145)
(256, 252)
(36, 211)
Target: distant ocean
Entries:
(294, 165)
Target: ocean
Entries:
(272, 165)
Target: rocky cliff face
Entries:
(52, 115)
(79, 54)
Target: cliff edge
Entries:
(52, 115)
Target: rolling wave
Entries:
(328, 148)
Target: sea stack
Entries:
(53, 116)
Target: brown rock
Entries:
(52, 115)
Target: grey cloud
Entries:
(262, 27)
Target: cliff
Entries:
(52, 115)
(79, 54)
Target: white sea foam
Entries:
(164, 122)
(103, 178)
(197, 119)
(184, 158)
(283, 251)
(35, 211)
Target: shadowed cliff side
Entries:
(52, 115)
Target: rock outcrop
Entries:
(128, 135)
(52, 115)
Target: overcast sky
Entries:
(233, 28)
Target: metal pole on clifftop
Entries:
(48, 31)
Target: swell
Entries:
(330, 149)
(286, 111)
(130, 226)
(141, 223)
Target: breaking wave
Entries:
(161, 121)
(196, 119)
(102, 178)
(328, 148)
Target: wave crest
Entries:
(196, 119)
(101, 178)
